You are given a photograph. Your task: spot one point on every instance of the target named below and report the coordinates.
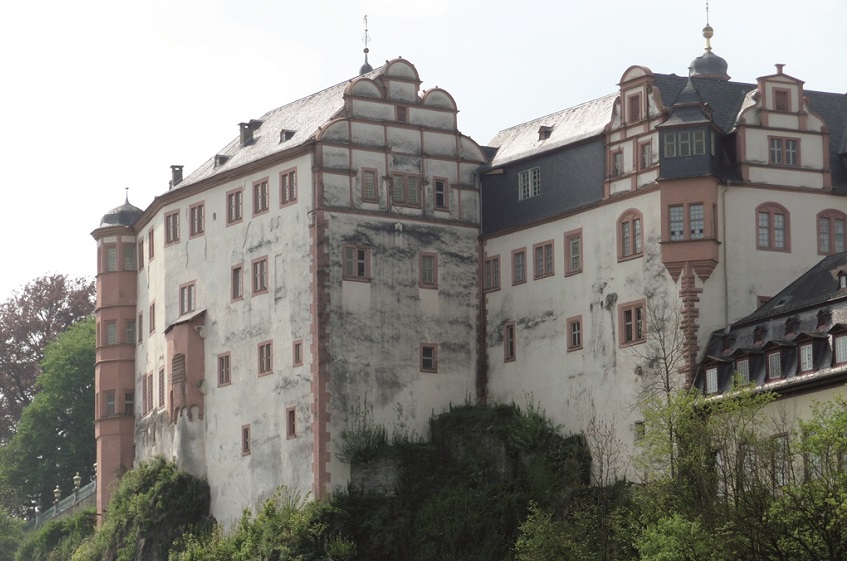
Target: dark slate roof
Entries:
(832, 108)
(725, 98)
(124, 215)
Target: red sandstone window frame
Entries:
(543, 260)
(575, 333)
(428, 269)
(573, 259)
(782, 100)
(297, 353)
(510, 341)
(401, 113)
(246, 444)
(234, 206)
(187, 297)
(429, 357)
(633, 107)
(370, 182)
(356, 263)
(236, 280)
(171, 228)
(529, 183)
(287, 187)
(129, 403)
(265, 354)
(109, 255)
(784, 151)
(110, 406)
(140, 254)
(128, 257)
(630, 235)
(774, 367)
(196, 220)
(632, 320)
(151, 251)
(291, 422)
(645, 155)
(139, 328)
(767, 232)
(828, 237)
(161, 388)
(260, 275)
(129, 331)
(518, 266)
(491, 273)
(617, 165)
(441, 190)
(112, 332)
(152, 317)
(261, 196)
(224, 369)
(406, 189)
(802, 351)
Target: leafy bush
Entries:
(57, 539)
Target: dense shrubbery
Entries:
(57, 539)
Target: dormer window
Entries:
(842, 280)
(782, 100)
(544, 132)
(220, 160)
(824, 318)
(791, 325)
(285, 135)
(633, 108)
(784, 151)
(682, 143)
(759, 334)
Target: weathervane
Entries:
(708, 32)
(366, 39)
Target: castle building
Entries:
(353, 253)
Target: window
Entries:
(629, 235)
(839, 344)
(260, 275)
(617, 164)
(543, 259)
(161, 387)
(405, 189)
(140, 326)
(150, 246)
(574, 327)
(784, 151)
(148, 392)
(428, 273)
(288, 187)
(632, 323)
(682, 225)
(152, 317)
(261, 197)
(774, 366)
(402, 114)
(172, 227)
(518, 266)
(234, 206)
(245, 440)
(291, 423)
(491, 273)
(265, 358)
(129, 256)
(831, 232)
(110, 404)
(529, 183)
(237, 284)
(806, 362)
(224, 369)
(742, 369)
(429, 358)
(509, 341)
(772, 225)
(111, 259)
(187, 299)
(679, 144)
(357, 263)
(196, 220)
(646, 153)
(297, 352)
(439, 193)
(781, 100)
(634, 108)
(129, 404)
(140, 254)
(129, 332)
(370, 188)
(573, 252)
(712, 380)
(111, 333)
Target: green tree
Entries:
(11, 534)
(55, 437)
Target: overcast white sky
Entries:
(100, 95)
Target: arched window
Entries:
(630, 235)
(831, 231)
(773, 232)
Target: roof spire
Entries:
(708, 32)
(127, 194)
(365, 39)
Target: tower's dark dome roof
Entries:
(709, 65)
(124, 215)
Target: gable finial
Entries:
(127, 194)
(708, 32)
(366, 39)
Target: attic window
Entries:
(842, 280)
(285, 135)
(781, 100)
(220, 159)
(824, 318)
(544, 132)
(402, 114)
(726, 343)
(759, 334)
(791, 325)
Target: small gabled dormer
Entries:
(841, 279)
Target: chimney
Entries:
(779, 68)
(176, 175)
(246, 133)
